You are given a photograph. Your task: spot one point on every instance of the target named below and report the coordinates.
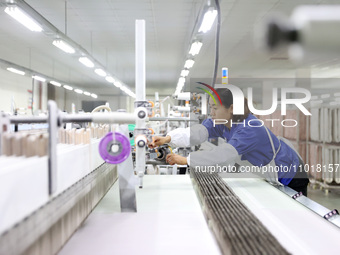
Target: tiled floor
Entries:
(330, 200)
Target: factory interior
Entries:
(112, 140)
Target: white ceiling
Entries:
(106, 29)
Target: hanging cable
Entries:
(217, 45)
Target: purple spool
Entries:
(121, 145)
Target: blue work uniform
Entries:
(252, 142)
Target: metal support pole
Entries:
(111, 117)
(140, 97)
(52, 146)
(127, 180)
(172, 119)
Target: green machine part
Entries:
(131, 135)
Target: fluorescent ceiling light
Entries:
(189, 63)
(13, 70)
(38, 78)
(325, 96)
(55, 83)
(195, 48)
(128, 91)
(110, 79)
(180, 86)
(184, 73)
(94, 95)
(337, 94)
(208, 20)
(181, 81)
(79, 91)
(86, 93)
(68, 87)
(100, 72)
(125, 89)
(63, 46)
(131, 94)
(117, 84)
(23, 18)
(86, 62)
(334, 103)
(314, 97)
(316, 102)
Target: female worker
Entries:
(247, 139)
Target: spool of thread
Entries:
(114, 148)
(152, 104)
(151, 131)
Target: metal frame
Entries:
(55, 119)
(310, 204)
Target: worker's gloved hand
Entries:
(176, 159)
(158, 141)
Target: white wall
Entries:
(14, 86)
(65, 98)
(115, 102)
